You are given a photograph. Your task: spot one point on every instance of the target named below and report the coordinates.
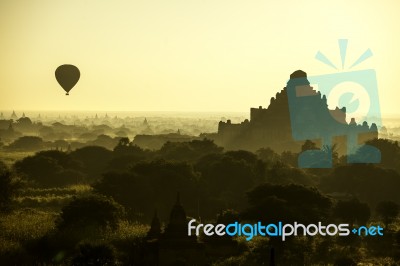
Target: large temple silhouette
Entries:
(281, 125)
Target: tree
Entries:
(62, 158)
(309, 145)
(27, 143)
(287, 203)
(370, 183)
(188, 151)
(228, 216)
(50, 169)
(104, 141)
(128, 150)
(94, 254)
(8, 187)
(352, 211)
(90, 212)
(290, 158)
(281, 173)
(390, 151)
(388, 211)
(345, 261)
(268, 156)
(3, 166)
(332, 151)
(131, 190)
(38, 169)
(95, 160)
(148, 185)
(226, 177)
(123, 142)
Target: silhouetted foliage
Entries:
(125, 147)
(124, 162)
(269, 156)
(331, 151)
(289, 158)
(94, 254)
(226, 177)
(49, 169)
(8, 187)
(309, 145)
(60, 144)
(132, 191)
(62, 158)
(90, 212)
(390, 152)
(104, 141)
(387, 211)
(214, 184)
(288, 203)
(281, 173)
(352, 211)
(27, 143)
(123, 142)
(345, 262)
(367, 182)
(228, 216)
(3, 166)
(148, 185)
(188, 151)
(125, 155)
(95, 159)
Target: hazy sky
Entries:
(186, 55)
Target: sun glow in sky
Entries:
(186, 55)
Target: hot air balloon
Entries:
(67, 76)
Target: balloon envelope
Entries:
(67, 76)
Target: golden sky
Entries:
(186, 55)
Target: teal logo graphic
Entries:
(354, 111)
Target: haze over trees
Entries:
(114, 187)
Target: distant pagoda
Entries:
(14, 115)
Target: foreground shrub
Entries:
(8, 187)
(92, 211)
(94, 254)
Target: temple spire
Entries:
(155, 228)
